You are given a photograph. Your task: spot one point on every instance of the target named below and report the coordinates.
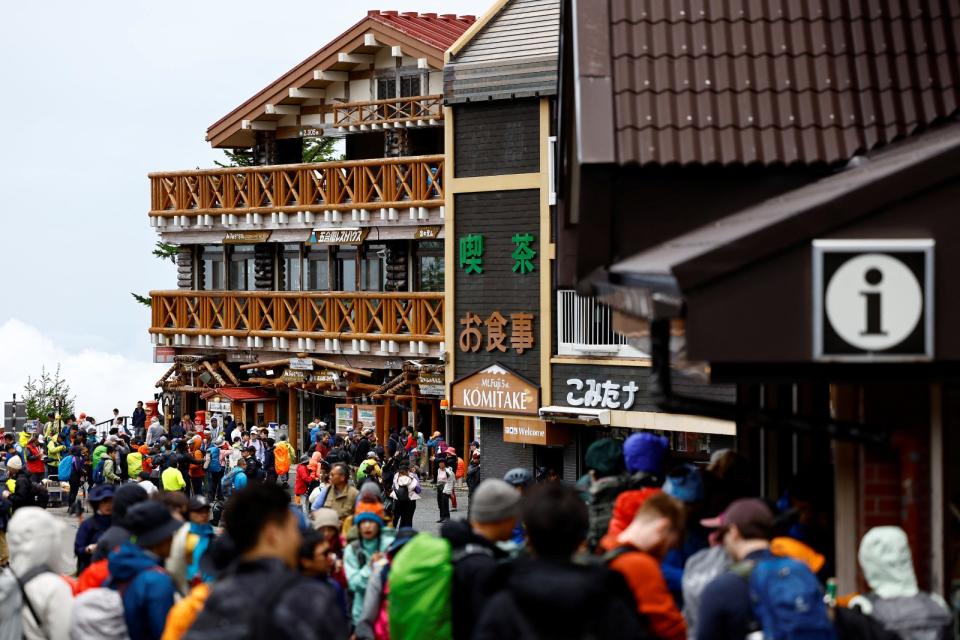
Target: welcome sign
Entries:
(495, 389)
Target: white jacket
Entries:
(36, 537)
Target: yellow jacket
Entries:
(55, 450)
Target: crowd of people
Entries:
(173, 545)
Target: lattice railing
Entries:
(389, 111)
(403, 317)
(415, 181)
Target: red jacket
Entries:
(302, 482)
(37, 465)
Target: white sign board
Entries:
(218, 407)
(873, 300)
(301, 364)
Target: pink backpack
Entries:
(381, 628)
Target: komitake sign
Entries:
(495, 389)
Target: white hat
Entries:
(15, 463)
(372, 454)
(322, 423)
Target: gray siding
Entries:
(497, 216)
(498, 457)
(514, 56)
(497, 138)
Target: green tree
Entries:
(164, 251)
(47, 393)
(314, 150)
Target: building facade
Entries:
(306, 288)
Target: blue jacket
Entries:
(149, 590)
(89, 533)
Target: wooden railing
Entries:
(389, 111)
(402, 317)
(415, 181)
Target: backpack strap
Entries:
(613, 554)
(471, 549)
(744, 569)
(22, 582)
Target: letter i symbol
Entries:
(873, 277)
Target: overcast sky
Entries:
(95, 95)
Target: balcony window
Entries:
(386, 88)
(213, 276)
(430, 266)
(242, 271)
(372, 272)
(585, 328)
(346, 268)
(409, 86)
(316, 269)
(292, 280)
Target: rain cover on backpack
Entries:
(420, 583)
(787, 600)
(917, 617)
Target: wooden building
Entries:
(776, 189)
(536, 370)
(315, 281)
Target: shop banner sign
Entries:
(354, 235)
(495, 389)
(246, 237)
(873, 300)
(536, 432)
(301, 364)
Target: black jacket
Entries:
(552, 600)
(475, 561)
(139, 418)
(264, 598)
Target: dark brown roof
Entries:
(729, 244)
(774, 81)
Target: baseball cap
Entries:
(752, 517)
(151, 523)
(199, 503)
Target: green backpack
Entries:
(420, 583)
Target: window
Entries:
(372, 273)
(409, 86)
(430, 266)
(291, 268)
(346, 264)
(316, 269)
(386, 88)
(242, 272)
(213, 273)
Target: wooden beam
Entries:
(331, 76)
(355, 58)
(282, 109)
(257, 125)
(213, 372)
(396, 52)
(307, 94)
(269, 364)
(164, 377)
(370, 40)
(293, 433)
(228, 372)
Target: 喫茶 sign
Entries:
(873, 300)
(495, 389)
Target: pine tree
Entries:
(47, 393)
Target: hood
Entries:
(37, 537)
(558, 592)
(129, 560)
(886, 562)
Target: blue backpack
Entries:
(65, 468)
(98, 477)
(787, 600)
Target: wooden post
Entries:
(413, 408)
(292, 420)
(466, 434)
(434, 417)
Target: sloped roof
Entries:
(769, 81)
(425, 35)
(240, 394)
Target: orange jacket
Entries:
(791, 548)
(93, 576)
(626, 506)
(184, 613)
(654, 601)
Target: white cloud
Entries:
(99, 380)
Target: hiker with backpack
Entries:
(637, 553)
(110, 467)
(283, 455)
(171, 479)
(23, 493)
(494, 512)
(645, 456)
(363, 553)
(761, 592)
(374, 622)
(73, 467)
(445, 481)
(235, 479)
(262, 595)
(33, 453)
(894, 599)
(405, 493)
(35, 599)
(548, 595)
(600, 486)
(91, 529)
(138, 583)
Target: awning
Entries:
(240, 394)
(652, 283)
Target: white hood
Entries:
(887, 563)
(36, 537)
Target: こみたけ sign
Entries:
(495, 389)
(873, 300)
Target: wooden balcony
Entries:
(415, 181)
(197, 318)
(393, 112)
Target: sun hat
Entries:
(100, 492)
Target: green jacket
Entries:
(55, 450)
(97, 454)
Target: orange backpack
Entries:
(281, 456)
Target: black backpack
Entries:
(39, 497)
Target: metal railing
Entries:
(391, 111)
(585, 328)
(415, 181)
(399, 317)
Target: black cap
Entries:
(151, 523)
(199, 503)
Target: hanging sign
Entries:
(354, 235)
(537, 432)
(495, 389)
(246, 237)
(431, 232)
(324, 376)
(164, 355)
(218, 407)
(293, 376)
(301, 364)
(431, 384)
(873, 300)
